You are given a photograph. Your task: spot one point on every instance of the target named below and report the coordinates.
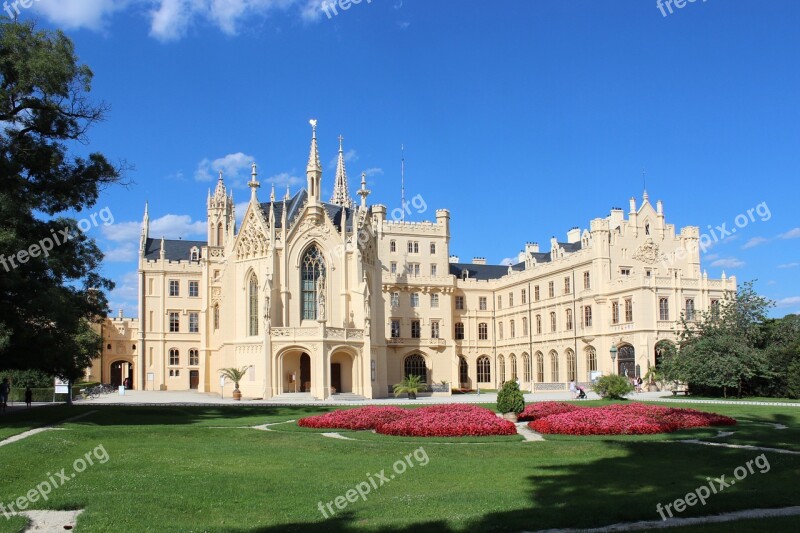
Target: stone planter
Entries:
(412, 395)
(237, 395)
(511, 417)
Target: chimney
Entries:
(478, 260)
(531, 248)
(121, 314)
(574, 235)
(454, 259)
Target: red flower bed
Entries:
(355, 419)
(534, 411)
(626, 419)
(451, 420)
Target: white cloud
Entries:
(789, 265)
(373, 172)
(730, 262)
(788, 302)
(711, 257)
(755, 241)
(168, 226)
(125, 295)
(233, 166)
(509, 261)
(350, 155)
(282, 180)
(240, 210)
(791, 234)
(74, 14)
(121, 254)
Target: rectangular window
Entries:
(569, 319)
(500, 330)
(460, 303)
(536, 295)
(435, 300)
(174, 322)
(434, 270)
(690, 309)
(587, 316)
(483, 331)
(587, 280)
(511, 299)
(395, 329)
(150, 287)
(413, 247)
(414, 299)
(194, 358)
(499, 302)
(567, 286)
(194, 289)
(174, 287)
(434, 329)
(524, 296)
(393, 267)
(539, 324)
(551, 289)
(459, 333)
(482, 303)
(174, 358)
(628, 310)
(663, 309)
(512, 330)
(395, 299)
(416, 329)
(194, 323)
(552, 322)
(525, 326)
(715, 308)
(393, 246)
(625, 271)
(413, 269)
(433, 248)
(615, 312)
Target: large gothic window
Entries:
(415, 366)
(484, 370)
(252, 308)
(313, 269)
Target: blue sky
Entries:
(534, 116)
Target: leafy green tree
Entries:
(510, 398)
(47, 301)
(722, 348)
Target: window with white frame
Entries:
(174, 322)
(416, 329)
(663, 308)
(435, 300)
(395, 329)
(482, 304)
(483, 331)
(434, 329)
(194, 322)
(174, 357)
(194, 357)
(174, 287)
(194, 289)
(395, 299)
(414, 299)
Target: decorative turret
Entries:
(145, 228)
(363, 192)
(341, 192)
(254, 185)
(221, 216)
(314, 168)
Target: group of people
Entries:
(5, 390)
(636, 382)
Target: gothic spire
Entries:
(254, 184)
(341, 193)
(314, 169)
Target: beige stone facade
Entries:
(337, 297)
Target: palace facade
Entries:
(323, 298)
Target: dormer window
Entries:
(195, 254)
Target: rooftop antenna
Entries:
(403, 183)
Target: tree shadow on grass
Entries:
(572, 492)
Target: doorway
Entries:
(194, 379)
(336, 377)
(305, 372)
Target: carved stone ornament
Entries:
(648, 253)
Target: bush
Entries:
(510, 399)
(613, 387)
(793, 380)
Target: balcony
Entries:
(346, 334)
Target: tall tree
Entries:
(722, 349)
(47, 296)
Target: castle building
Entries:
(321, 298)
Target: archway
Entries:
(626, 361)
(296, 372)
(342, 375)
(121, 374)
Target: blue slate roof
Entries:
(175, 250)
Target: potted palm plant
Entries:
(236, 375)
(410, 385)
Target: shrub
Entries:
(613, 387)
(793, 380)
(510, 399)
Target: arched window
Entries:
(216, 316)
(194, 357)
(538, 324)
(540, 367)
(252, 308)
(463, 371)
(591, 359)
(174, 357)
(512, 360)
(501, 369)
(572, 366)
(626, 359)
(415, 366)
(526, 363)
(313, 268)
(554, 373)
(219, 234)
(483, 331)
(484, 370)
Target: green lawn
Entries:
(192, 469)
